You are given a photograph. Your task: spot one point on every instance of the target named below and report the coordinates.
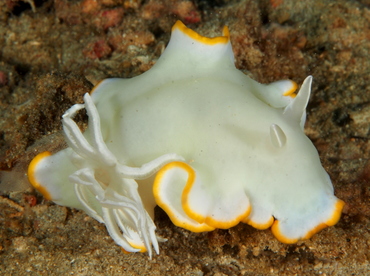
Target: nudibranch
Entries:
(199, 138)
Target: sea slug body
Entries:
(199, 138)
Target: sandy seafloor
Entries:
(51, 55)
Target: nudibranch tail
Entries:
(51, 182)
(33, 178)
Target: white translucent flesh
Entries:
(168, 194)
(274, 93)
(223, 131)
(194, 106)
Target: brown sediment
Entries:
(51, 57)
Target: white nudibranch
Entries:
(197, 137)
